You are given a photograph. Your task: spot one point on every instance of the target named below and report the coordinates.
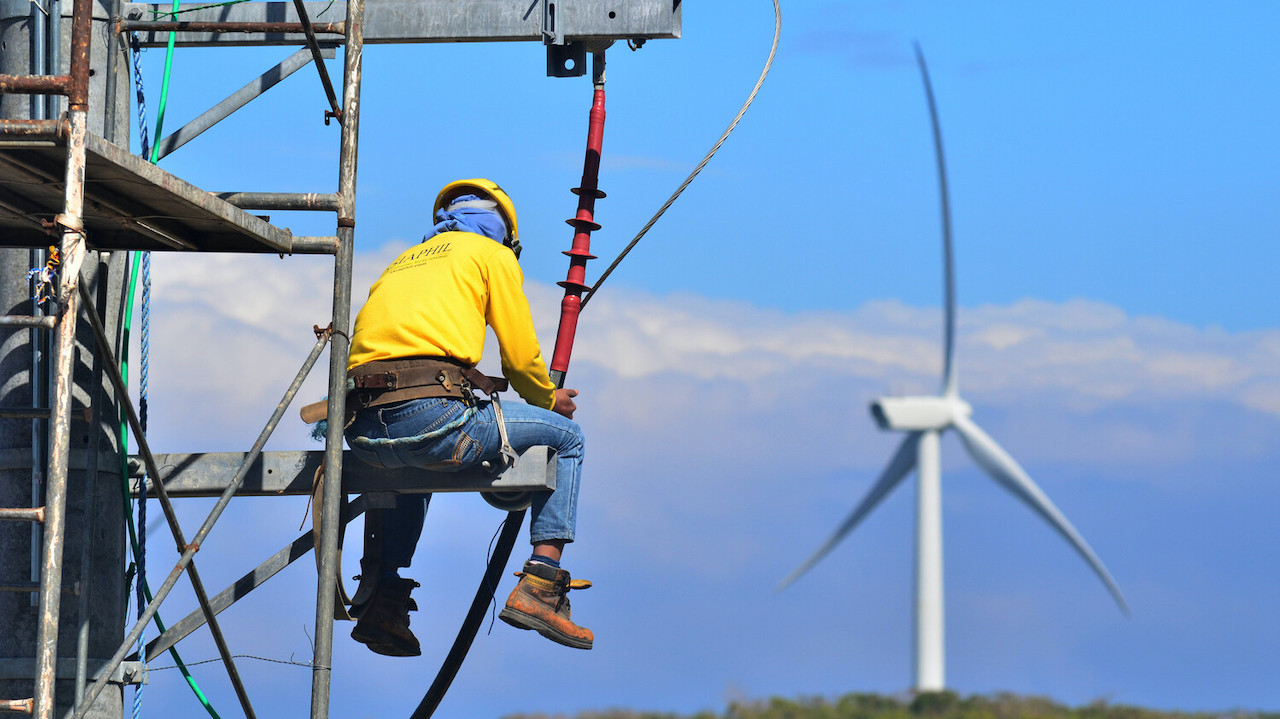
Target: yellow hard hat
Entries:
(484, 188)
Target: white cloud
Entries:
(230, 332)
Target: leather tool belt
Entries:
(384, 382)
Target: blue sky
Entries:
(1113, 193)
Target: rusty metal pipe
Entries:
(81, 36)
(22, 514)
(21, 706)
(26, 131)
(35, 84)
(44, 322)
(72, 253)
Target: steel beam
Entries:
(418, 21)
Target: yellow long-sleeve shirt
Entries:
(435, 300)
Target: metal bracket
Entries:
(568, 60)
(564, 59)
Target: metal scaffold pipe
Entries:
(330, 501)
(72, 251)
(584, 224)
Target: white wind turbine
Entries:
(924, 419)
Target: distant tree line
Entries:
(931, 705)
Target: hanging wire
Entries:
(493, 590)
(773, 50)
(233, 656)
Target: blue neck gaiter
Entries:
(469, 219)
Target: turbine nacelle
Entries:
(919, 414)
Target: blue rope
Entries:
(141, 554)
(142, 101)
(142, 503)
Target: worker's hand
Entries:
(564, 402)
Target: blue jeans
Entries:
(444, 434)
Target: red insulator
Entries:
(580, 251)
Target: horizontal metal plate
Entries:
(416, 21)
(292, 473)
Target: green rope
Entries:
(164, 90)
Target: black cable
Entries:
(475, 617)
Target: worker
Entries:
(423, 327)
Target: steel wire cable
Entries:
(773, 50)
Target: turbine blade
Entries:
(949, 387)
(1002, 468)
(904, 460)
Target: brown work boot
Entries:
(384, 624)
(540, 601)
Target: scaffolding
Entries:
(59, 179)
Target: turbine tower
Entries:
(925, 419)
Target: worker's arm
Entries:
(508, 314)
